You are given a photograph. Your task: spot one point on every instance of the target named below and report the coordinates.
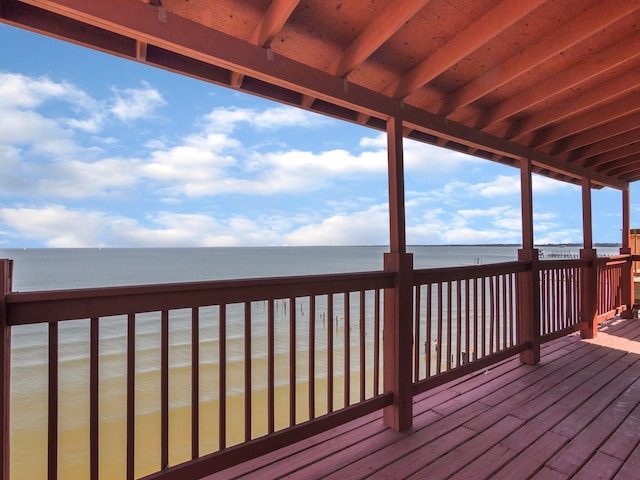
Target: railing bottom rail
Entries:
(215, 462)
(471, 367)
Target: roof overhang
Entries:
(527, 79)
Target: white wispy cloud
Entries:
(136, 103)
(60, 226)
(370, 226)
(226, 119)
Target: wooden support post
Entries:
(628, 287)
(529, 307)
(398, 341)
(6, 276)
(589, 273)
(398, 302)
(528, 282)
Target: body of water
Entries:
(47, 269)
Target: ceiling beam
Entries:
(590, 119)
(489, 26)
(140, 22)
(618, 158)
(586, 69)
(602, 93)
(392, 17)
(596, 135)
(272, 21)
(626, 165)
(586, 154)
(589, 23)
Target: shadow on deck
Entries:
(576, 414)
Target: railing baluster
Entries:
(195, 383)
(428, 326)
(476, 337)
(548, 301)
(555, 300)
(494, 305)
(347, 349)
(52, 469)
(94, 412)
(376, 343)
(131, 394)
(439, 337)
(292, 361)
(312, 357)
(512, 320)
(164, 390)
(467, 322)
(495, 280)
(449, 324)
(363, 369)
(271, 368)
(458, 324)
(247, 371)
(416, 333)
(222, 373)
(482, 331)
(330, 353)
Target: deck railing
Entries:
(253, 353)
(560, 295)
(463, 316)
(244, 367)
(610, 274)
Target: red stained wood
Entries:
(481, 427)
(599, 466)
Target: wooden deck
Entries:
(575, 415)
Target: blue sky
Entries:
(97, 151)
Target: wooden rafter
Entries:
(580, 28)
(601, 93)
(498, 19)
(388, 22)
(596, 135)
(612, 57)
(593, 118)
(587, 154)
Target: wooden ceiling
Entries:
(555, 81)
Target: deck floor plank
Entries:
(599, 466)
(575, 415)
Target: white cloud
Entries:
(499, 224)
(20, 91)
(136, 103)
(364, 227)
(226, 119)
(55, 225)
(59, 226)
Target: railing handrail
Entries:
(58, 305)
(445, 274)
(565, 263)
